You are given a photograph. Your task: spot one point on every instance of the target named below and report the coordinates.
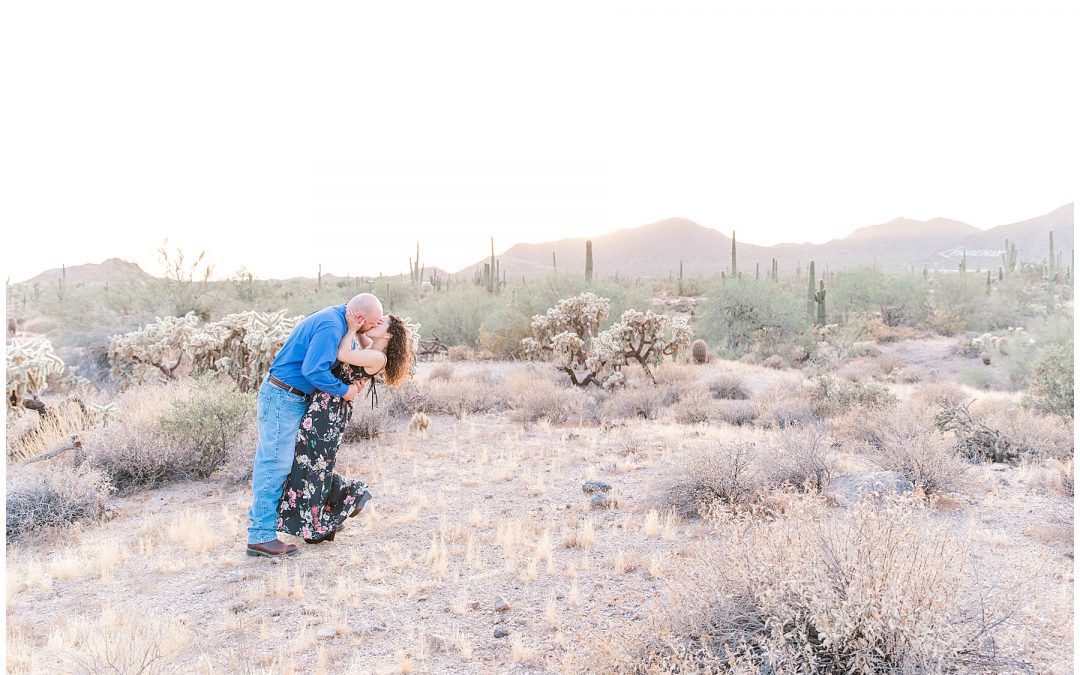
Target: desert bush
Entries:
(895, 299)
(405, 400)
(542, 399)
(782, 407)
(730, 473)
(801, 459)
(208, 428)
(736, 413)
(644, 402)
(869, 589)
(728, 386)
(472, 393)
(207, 422)
(1051, 389)
(366, 423)
(831, 396)
(443, 372)
(695, 408)
(59, 496)
(921, 453)
(460, 353)
(742, 314)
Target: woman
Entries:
(316, 501)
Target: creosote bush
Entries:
(1051, 389)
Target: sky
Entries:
(280, 136)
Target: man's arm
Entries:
(320, 357)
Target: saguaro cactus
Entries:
(1051, 271)
(734, 268)
(810, 295)
(588, 261)
(819, 298)
(680, 279)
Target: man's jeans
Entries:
(280, 413)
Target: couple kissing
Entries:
(304, 405)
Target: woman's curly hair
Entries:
(399, 354)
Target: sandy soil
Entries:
(468, 513)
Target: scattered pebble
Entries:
(501, 632)
(501, 605)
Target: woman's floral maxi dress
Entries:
(316, 501)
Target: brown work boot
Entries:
(273, 549)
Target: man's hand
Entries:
(353, 321)
(351, 393)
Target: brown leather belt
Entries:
(289, 388)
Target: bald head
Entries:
(368, 308)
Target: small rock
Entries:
(501, 605)
(501, 632)
(439, 643)
(275, 612)
(232, 576)
(998, 466)
(600, 500)
(848, 488)
(198, 589)
(238, 607)
(326, 633)
(475, 604)
(595, 486)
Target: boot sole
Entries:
(252, 552)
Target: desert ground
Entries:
(482, 552)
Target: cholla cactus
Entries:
(646, 337)
(241, 345)
(30, 362)
(569, 336)
(160, 345)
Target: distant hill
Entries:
(1031, 237)
(648, 251)
(656, 249)
(113, 270)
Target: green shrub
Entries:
(744, 314)
(207, 421)
(899, 299)
(1051, 389)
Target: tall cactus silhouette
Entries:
(734, 268)
(589, 265)
(1051, 271)
(810, 295)
(819, 298)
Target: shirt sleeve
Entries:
(320, 357)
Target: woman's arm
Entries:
(370, 360)
(346, 344)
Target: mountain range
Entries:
(657, 249)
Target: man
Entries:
(301, 367)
